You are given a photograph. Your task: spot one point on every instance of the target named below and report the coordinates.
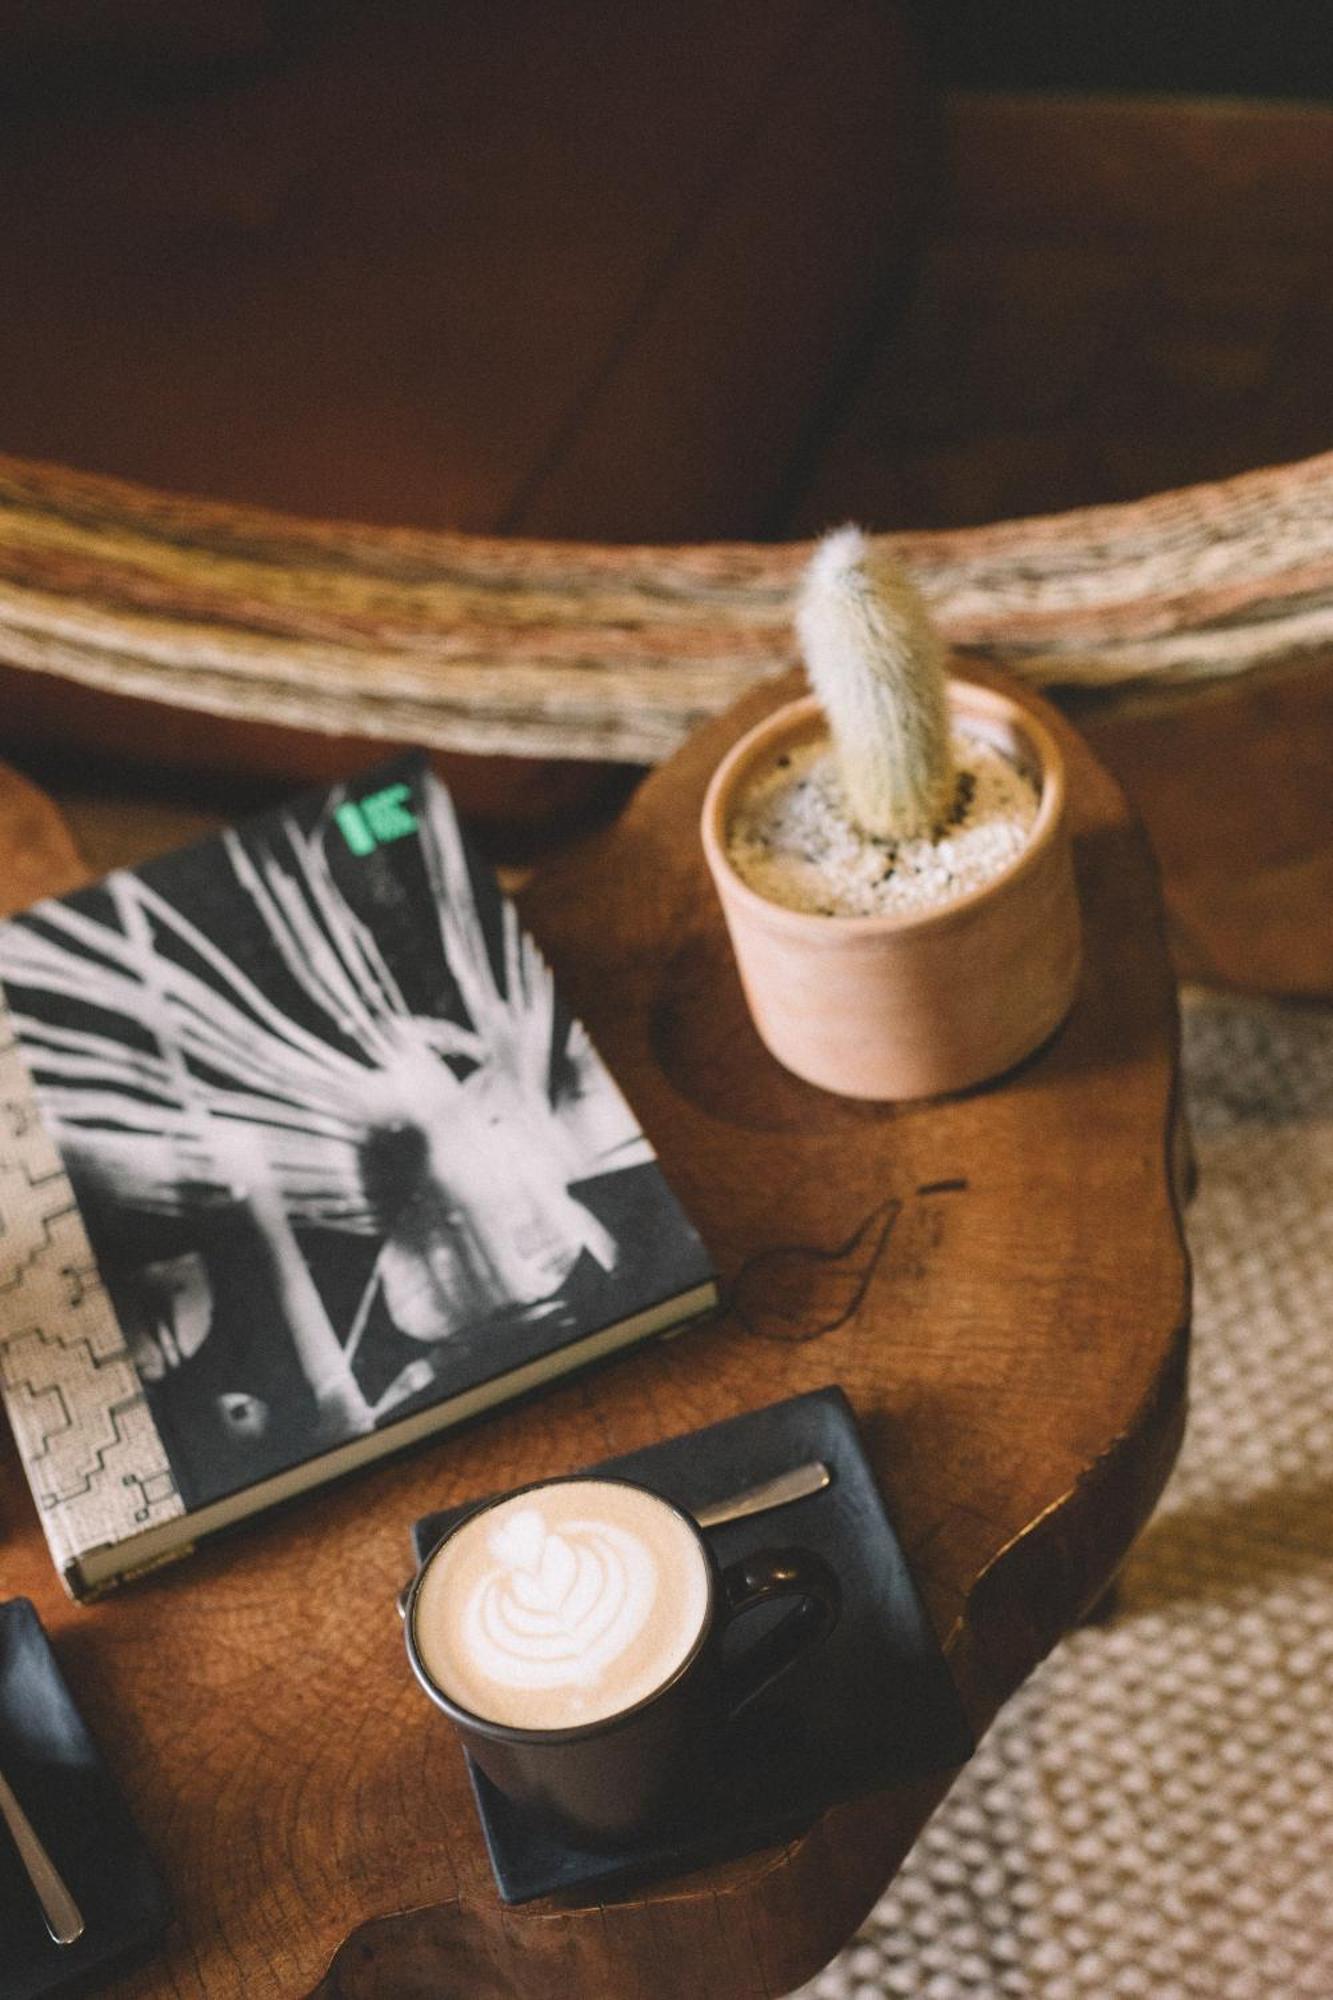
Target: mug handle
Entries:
(758, 1579)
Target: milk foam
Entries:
(558, 1607)
(562, 1605)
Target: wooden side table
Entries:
(1000, 1285)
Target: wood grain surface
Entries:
(1236, 796)
(37, 855)
(999, 1284)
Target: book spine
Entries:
(92, 1454)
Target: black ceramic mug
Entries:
(601, 1608)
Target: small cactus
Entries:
(877, 664)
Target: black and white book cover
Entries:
(302, 1157)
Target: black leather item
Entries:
(78, 1813)
(872, 1704)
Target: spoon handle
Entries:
(63, 1917)
(796, 1484)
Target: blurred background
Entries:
(681, 272)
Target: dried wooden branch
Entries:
(579, 650)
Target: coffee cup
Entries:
(572, 1633)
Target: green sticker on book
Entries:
(377, 819)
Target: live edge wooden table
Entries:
(998, 1282)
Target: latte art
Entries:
(562, 1605)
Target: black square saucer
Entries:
(81, 1818)
(872, 1705)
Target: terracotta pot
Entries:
(920, 1003)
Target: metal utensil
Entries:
(797, 1484)
(63, 1917)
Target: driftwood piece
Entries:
(998, 1282)
(575, 650)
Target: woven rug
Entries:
(1152, 1817)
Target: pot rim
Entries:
(793, 718)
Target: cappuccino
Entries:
(563, 1605)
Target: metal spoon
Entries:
(797, 1484)
(63, 1917)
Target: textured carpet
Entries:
(1152, 1817)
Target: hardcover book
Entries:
(302, 1159)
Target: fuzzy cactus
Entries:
(877, 664)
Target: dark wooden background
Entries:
(688, 272)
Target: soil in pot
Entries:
(792, 839)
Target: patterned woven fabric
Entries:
(1152, 1817)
